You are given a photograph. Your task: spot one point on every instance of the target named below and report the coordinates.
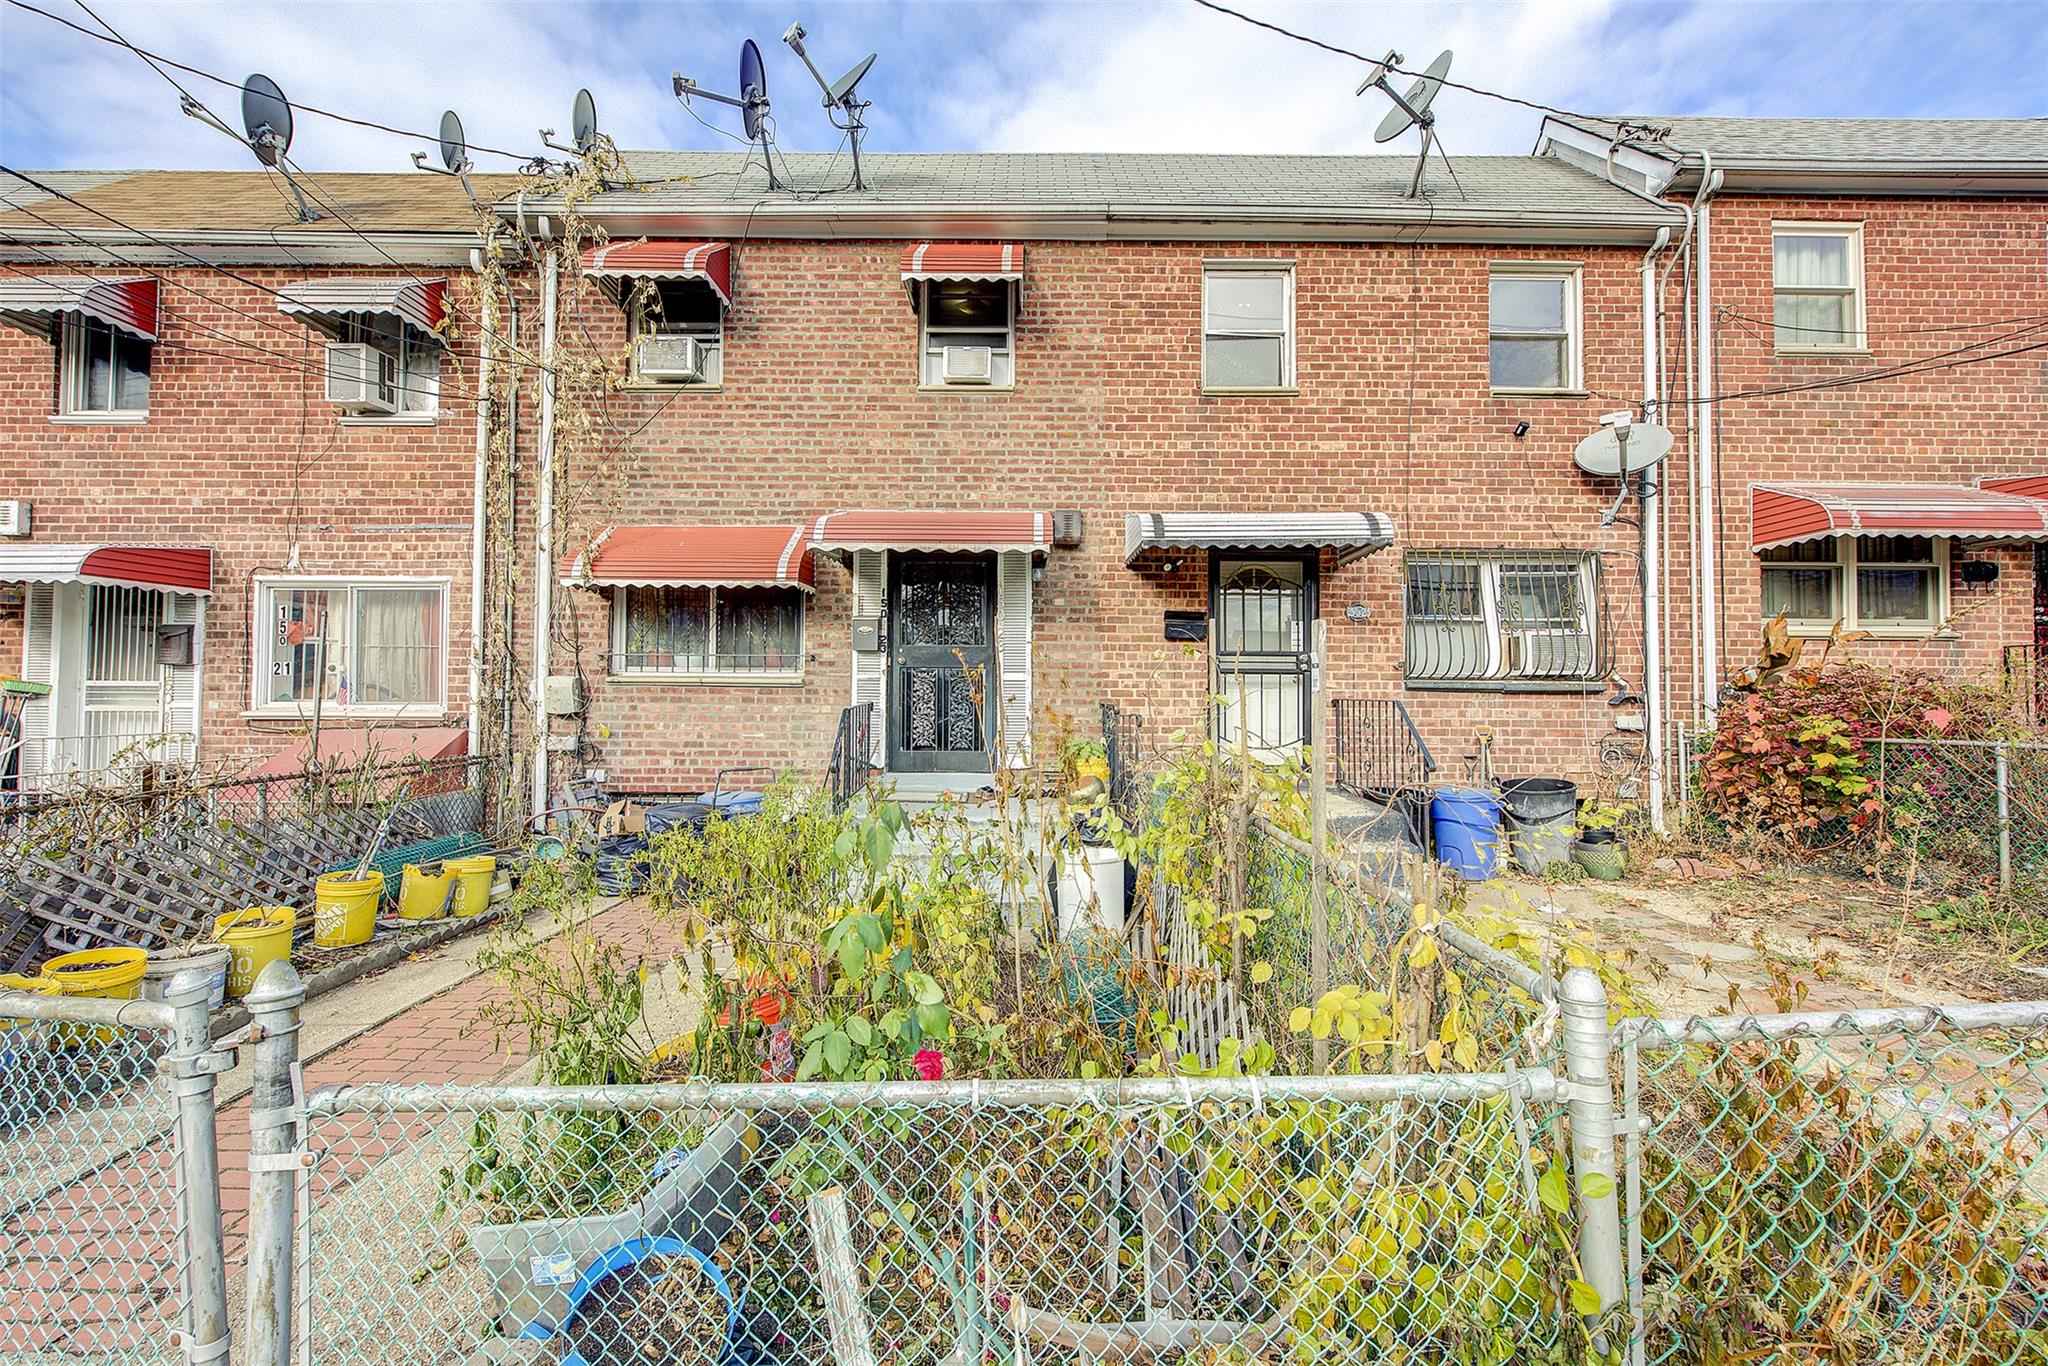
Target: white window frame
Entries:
(1853, 234)
(412, 343)
(71, 375)
(1846, 561)
(930, 368)
(1491, 565)
(1572, 275)
(640, 323)
(261, 613)
(1280, 270)
(731, 677)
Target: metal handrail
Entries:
(1377, 744)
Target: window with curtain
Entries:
(1816, 287)
(376, 647)
(707, 632)
(1887, 584)
(1247, 328)
(1532, 327)
(105, 371)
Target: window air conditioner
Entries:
(966, 364)
(362, 378)
(1550, 654)
(672, 358)
(14, 517)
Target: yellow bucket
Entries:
(345, 908)
(423, 895)
(472, 883)
(19, 1036)
(112, 973)
(256, 938)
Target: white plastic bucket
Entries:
(1090, 891)
(164, 964)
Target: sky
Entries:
(1147, 75)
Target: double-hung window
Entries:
(103, 372)
(1817, 286)
(1498, 618)
(678, 333)
(1247, 327)
(707, 633)
(371, 647)
(1533, 328)
(1890, 585)
(408, 361)
(968, 333)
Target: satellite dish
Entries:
(454, 149)
(1409, 109)
(267, 118)
(583, 123)
(1623, 447)
(840, 90)
(753, 88)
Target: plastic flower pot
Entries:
(1602, 859)
(628, 1255)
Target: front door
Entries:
(942, 662)
(1260, 619)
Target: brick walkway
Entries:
(88, 1268)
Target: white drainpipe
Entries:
(477, 513)
(1652, 548)
(1706, 505)
(544, 532)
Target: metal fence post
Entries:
(1582, 1003)
(192, 1065)
(2003, 757)
(273, 1161)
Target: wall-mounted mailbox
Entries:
(1187, 626)
(174, 646)
(867, 633)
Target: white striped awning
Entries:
(32, 303)
(420, 304)
(1350, 534)
(178, 568)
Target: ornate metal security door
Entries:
(942, 660)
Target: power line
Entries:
(1392, 70)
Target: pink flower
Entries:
(1939, 717)
(930, 1064)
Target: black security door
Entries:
(942, 660)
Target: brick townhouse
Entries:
(237, 465)
(1095, 428)
(1832, 251)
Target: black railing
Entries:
(1377, 746)
(1123, 742)
(852, 767)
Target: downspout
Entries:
(1652, 547)
(1705, 499)
(544, 531)
(477, 514)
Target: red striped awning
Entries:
(962, 261)
(421, 304)
(179, 568)
(2025, 485)
(839, 532)
(663, 259)
(697, 557)
(32, 303)
(1786, 514)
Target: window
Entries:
(967, 318)
(1817, 286)
(411, 360)
(1886, 584)
(1497, 618)
(105, 371)
(1247, 328)
(1533, 327)
(369, 647)
(679, 333)
(707, 632)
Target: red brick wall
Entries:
(819, 410)
(242, 453)
(1939, 275)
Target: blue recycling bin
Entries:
(1467, 825)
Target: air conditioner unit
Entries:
(966, 364)
(362, 378)
(672, 358)
(1550, 654)
(14, 517)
